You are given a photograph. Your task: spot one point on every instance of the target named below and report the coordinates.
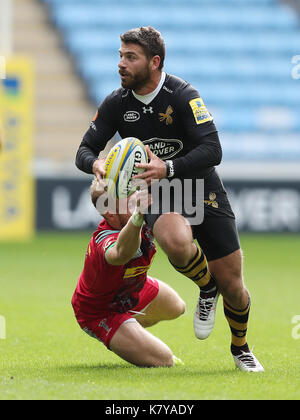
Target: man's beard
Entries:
(137, 81)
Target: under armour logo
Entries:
(145, 110)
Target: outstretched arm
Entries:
(129, 238)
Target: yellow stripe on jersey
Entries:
(135, 271)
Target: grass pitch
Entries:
(45, 355)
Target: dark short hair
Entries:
(149, 39)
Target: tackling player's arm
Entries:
(126, 246)
(129, 239)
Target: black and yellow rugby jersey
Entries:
(175, 124)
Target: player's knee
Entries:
(234, 291)
(155, 355)
(178, 309)
(230, 280)
(181, 307)
(168, 360)
(179, 250)
(164, 359)
(174, 310)
(175, 238)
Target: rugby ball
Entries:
(120, 166)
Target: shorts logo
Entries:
(131, 116)
(212, 201)
(104, 325)
(200, 111)
(167, 116)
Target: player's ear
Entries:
(155, 62)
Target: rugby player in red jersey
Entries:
(115, 299)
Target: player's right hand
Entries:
(99, 172)
(155, 169)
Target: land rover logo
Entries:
(164, 148)
(131, 116)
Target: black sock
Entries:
(237, 350)
(210, 287)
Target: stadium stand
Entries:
(295, 4)
(238, 53)
(62, 108)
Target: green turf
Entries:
(46, 356)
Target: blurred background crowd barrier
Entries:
(59, 60)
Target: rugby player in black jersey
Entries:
(170, 117)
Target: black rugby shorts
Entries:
(217, 235)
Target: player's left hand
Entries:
(155, 169)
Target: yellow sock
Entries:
(238, 323)
(197, 270)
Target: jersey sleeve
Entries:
(195, 117)
(106, 241)
(101, 130)
(103, 126)
(199, 132)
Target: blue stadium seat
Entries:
(216, 43)
(203, 3)
(237, 53)
(224, 17)
(204, 67)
